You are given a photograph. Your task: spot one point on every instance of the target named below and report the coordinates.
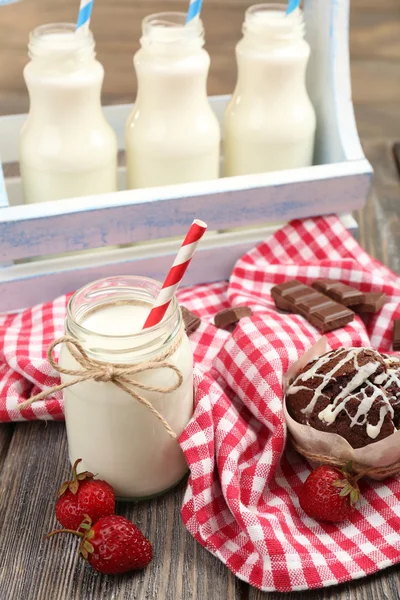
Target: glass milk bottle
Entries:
(67, 148)
(172, 134)
(115, 435)
(270, 122)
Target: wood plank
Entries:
(42, 570)
(379, 222)
(148, 214)
(6, 433)
(375, 81)
(375, 34)
(379, 152)
(378, 121)
(374, 5)
(42, 281)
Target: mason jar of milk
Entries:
(172, 134)
(67, 148)
(270, 122)
(115, 435)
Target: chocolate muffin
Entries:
(354, 392)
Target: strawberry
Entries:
(329, 494)
(112, 545)
(81, 496)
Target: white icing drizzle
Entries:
(361, 374)
(329, 414)
(379, 379)
(374, 430)
(392, 377)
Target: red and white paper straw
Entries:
(176, 273)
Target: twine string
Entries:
(360, 470)
(120, 374)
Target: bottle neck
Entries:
(269, 25)
(171, 65)
(63, 73)
(168, 35)
(58, 48)
(272, 55)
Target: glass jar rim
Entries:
(59, 39)
(275, 21)
(167, 320)
(171, 27)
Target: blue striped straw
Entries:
(293, 4)
(194, 10)
(85, 12)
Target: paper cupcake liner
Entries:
(377, 455)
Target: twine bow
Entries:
(119, 374)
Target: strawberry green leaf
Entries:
(339, 483)
(346, 490)
(63, 489)
(74, 486)
(354, 496)
(88, 546)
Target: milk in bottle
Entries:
(270, 122)
(67, 148)
(172, 134)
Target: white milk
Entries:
(172, 134)
(115, 435)
(270, 122)
(67, 148)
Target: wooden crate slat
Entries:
(33, 283)
(140, 215)
(3, 192)
(329, 82)
(40, 281)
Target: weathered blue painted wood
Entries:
(329, 82)
(42, 281)
(139, 215)
(3, 192)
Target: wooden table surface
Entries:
(33, 456)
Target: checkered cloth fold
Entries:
(241, 502)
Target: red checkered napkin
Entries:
(241, 501)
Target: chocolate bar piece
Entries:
(288, 294)
(313, 304)
(331, 317)
(320, 311)
(340, 292)
(371, 304)
(396, 334)
(190, 320)
(230, 316)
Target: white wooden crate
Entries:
(338, 182)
